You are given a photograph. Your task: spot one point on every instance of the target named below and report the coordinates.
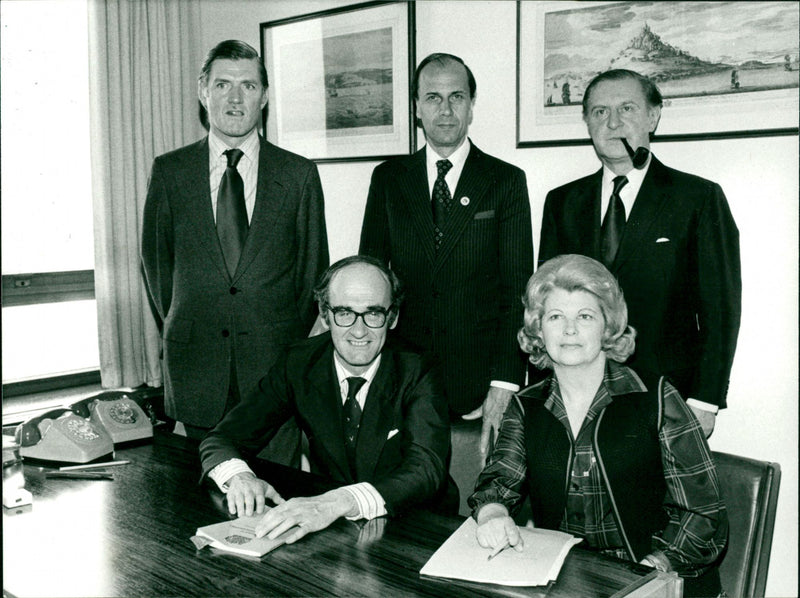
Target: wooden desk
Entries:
(130, 537)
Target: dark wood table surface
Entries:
(131, 537)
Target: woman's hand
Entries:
(658, 560)
(496, 528)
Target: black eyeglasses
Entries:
(373, 318)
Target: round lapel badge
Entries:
(464, 201)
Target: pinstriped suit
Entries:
(207, 316)
(462, 301)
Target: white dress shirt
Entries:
(247, 168)
(627, 194)
(458, 158)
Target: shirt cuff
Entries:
(702, 406)
(505, 385)
(369, 501)
(223, 472)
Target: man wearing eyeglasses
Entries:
(375, 415)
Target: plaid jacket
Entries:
(695, 525)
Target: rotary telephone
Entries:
(118, 413)
(62, 435)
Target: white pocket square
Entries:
(662, 240)
(392, 433)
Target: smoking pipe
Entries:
(638, 157)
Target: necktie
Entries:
(352, 419)
(613, 223)
(232, 223)
(441, 199)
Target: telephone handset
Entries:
(118, 414)
(62, 435)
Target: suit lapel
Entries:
(377, 418)
(325, 410)
(270, 197)
(475, 180)
(650, 202)
(194, 180)
(412, 185)
(589, 211)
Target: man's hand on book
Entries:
(307, 515)
(247, 495)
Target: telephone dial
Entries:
(118, 413)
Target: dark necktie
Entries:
(352, 419)
(613, 223)
(441, 200)
(232, 223)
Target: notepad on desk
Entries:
(461, 557)
(237, 536)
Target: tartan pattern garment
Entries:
(690, 539)
(441, 199)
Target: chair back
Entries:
(750, 490)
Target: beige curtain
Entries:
(144, 59)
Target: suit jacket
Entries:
(404, 436)
(209, 317)
(678, 266)
(462, 301)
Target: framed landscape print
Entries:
(339, 82)
(725, 69)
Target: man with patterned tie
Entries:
(455, 225)
(233, 240)
(668, 236)
(374, 414)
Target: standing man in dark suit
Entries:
(233, 240)
(455, 225)
(375, 417)
(669, 238)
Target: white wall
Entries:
(759, 176)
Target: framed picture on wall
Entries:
(725, 69)
(339, 82)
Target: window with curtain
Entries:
(49, 322)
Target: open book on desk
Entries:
(461, 557)
(238, 536)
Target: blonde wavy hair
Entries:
(576, 273)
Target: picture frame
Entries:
(725, 69)
(340, 81)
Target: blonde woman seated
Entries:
(604, 453)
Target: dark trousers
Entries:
(284, 448)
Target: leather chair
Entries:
(750, 491)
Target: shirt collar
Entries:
(635, 176)
(617, 379)
(457, 158)
(620, 380)
(249, 146)
(342, 373)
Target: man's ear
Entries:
(323, 318)
(201, 93)
(654, 116)
(395, 317)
